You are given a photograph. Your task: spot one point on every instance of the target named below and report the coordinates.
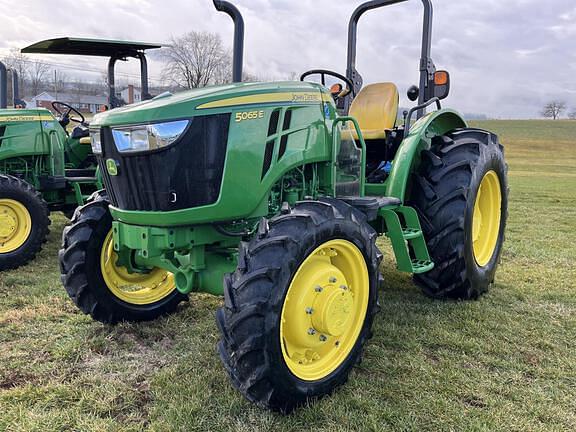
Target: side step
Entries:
(371, 205)
(403, 229)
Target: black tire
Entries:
(81, 274)
(444, 191)
(254, 295)
(18, 190)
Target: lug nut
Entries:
(332, 279)
(311, 331)
(323, 338)
(309, 310)
(318, 288)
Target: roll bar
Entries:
(112, 99)
(427, 67)
(3, 86)
(234, 13)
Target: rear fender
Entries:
(419, 138)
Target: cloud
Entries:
(499, 53)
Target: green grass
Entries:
(506, 362)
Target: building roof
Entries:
(72, 98)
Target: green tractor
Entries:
(43, 166)
(264, 193)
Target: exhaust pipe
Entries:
(3, 86)
(15, 89)
(234, 13)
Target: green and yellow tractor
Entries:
(45, 167)
(274, 195)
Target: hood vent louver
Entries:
(269, 150)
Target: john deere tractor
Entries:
(264, 193)
(43, 167)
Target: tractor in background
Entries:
(273, 195)
(44, 167)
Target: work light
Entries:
(148, 137)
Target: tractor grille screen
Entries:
(186, 174)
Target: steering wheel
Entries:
(65, 113)
(336, 90)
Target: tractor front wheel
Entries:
(24, 222)
(101, 288)
(461, 194)
(299, 308)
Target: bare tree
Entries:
(572, 115)
(196, 59)
(37, 74)
(553, 109)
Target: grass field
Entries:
(506, 362)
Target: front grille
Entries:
(186, 174)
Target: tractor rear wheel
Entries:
(299, 308)
(99, 287)
(24, 222)
(461, 195)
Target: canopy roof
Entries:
(89, 47)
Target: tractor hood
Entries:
(212, 100)
(25, 115)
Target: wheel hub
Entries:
(8, 224)
(15, 225)
(333, 308)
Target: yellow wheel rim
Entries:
(134, 288)
(324, 310)
(15, 225)
(486, 219)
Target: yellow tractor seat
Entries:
(376, 109)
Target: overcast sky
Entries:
(506, 57)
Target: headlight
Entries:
(95, 141)
(148, 137)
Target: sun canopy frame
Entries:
(113, 49)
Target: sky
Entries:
(506, 58)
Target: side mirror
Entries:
(413, 93)
(441, 84)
